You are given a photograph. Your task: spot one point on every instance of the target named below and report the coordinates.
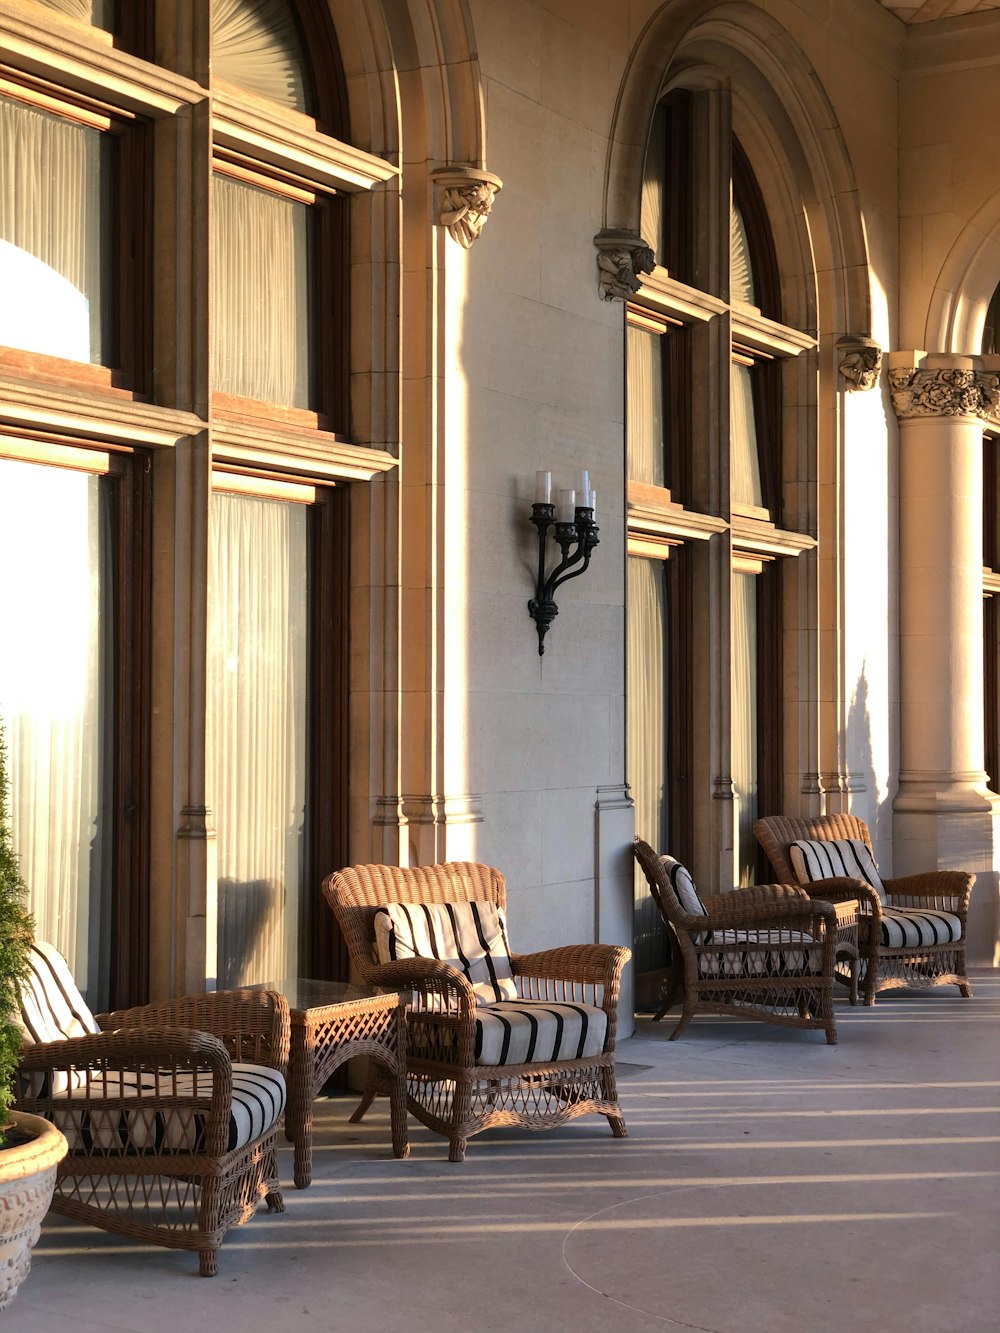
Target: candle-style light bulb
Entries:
(583, 487)
(593, 505)
(567, 507)
(543, 488)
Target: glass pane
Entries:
(256, 44)
(261, 344)
(745, 484)
(644, 370)
(653, 184)
(55, 235)
(647, 743)
(741, 284)
(744, 666)
(256, 732)
(98, 13)
(54, 688)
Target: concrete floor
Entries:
(769, 1182)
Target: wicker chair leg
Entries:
(359, 1111)
(275, 1202)
(618, 1127)
(208, 1262)
(686, 1017)
(965, 989)
(456, 1149)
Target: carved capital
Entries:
(944, 391)
(621, 257)
(464, 198)
(860, 362)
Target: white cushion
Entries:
(760, 953)
(51, 1006)
(517, 1032)
(258, 1101)
(915, 926)
(683, 886)
(833, 859)
(470, 936)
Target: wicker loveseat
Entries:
(171, 1110)
(766, 952)
(911, 928)
(474, 1063)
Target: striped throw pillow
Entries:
(51, 1006)
(812, 860)
(471, 936)
(683, 886)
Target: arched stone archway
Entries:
(965, 285)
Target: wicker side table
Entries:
(332, 1022)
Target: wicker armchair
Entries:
(171, 1110)
(447, 1089)
(766, 952)
(886, 963)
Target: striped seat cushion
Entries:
(737, 953)
(258, 1101)
(821, 859)
(517, 1032)
(914, 927)
(471, 936)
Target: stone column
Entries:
(943, 812)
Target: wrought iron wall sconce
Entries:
(575, 535)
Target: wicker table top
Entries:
(302, 993)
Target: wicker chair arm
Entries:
(431, 981)
(781, 910)
(756, 895)
(599, 964)
(253, 1025)
(955, 884)
(128, 1048)
(843, 889)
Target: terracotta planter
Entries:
(27, 1179)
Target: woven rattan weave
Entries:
(183, 1199)
(446, 1089)
(734, 958)
(938, 890)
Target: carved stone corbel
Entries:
(860, 362)
(621, 257)
(464, 198)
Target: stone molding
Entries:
(860, 362)
(621, 257)
(464, 200)
(944, 391)
(402, 810)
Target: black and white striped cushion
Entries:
(683, 886)
(471, 936)
(812, 860)
(51, 1006)
(761, 954)
(258, 1101)
(913, 927)
(517, 1032)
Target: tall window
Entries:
(705, 468)
(991, 572)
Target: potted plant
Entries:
(31, 1147)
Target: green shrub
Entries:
(15, 935)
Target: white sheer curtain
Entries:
(654, 185)
(260, 292)
(256, 45)
(744, 459)
(647, 739)
(256, 731)
(741, 284)
(644, 380)
(50, 234)
(50, 700)
(744, 721)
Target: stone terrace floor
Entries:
(769, 1182)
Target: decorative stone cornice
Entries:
(621, 257)
(945, 390)
(464, 198)
(860, 362)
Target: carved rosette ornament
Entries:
(860, 363)
(944, 392)
(464, 200)
(621, 257)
